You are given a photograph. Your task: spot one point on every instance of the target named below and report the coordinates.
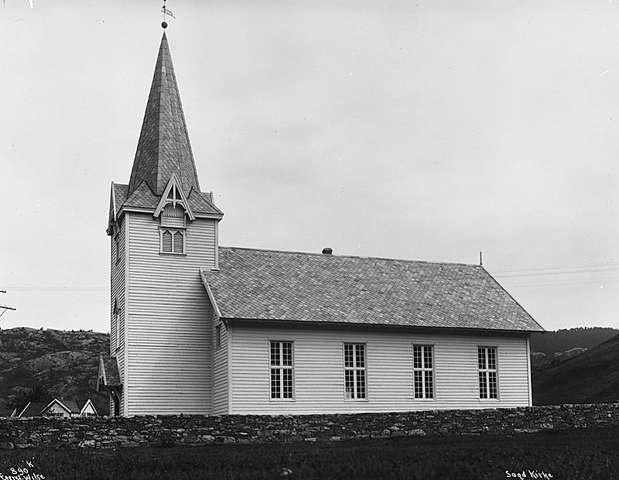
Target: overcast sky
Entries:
(423, 130)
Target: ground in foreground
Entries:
(573, 455)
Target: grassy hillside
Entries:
(567, 339)
(592, 376)
(42, 364)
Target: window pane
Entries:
(275, 383)
(360, 383)
(416, 356)
(288, 383)
(360, 355)
(417, 379)
(492, 358)
(287, 353)
(481, 357)
(348, 355)
(274, 353)
(492, 385)
(429, 384)
(178, 242)
(427, 356)
(166, 240)
(350, 384)
(483, 392)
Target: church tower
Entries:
(163, 229)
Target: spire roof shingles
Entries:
(163, 147)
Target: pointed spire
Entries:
(163, 147)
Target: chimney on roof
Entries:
(327, 251)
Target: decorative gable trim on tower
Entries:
(173, 195)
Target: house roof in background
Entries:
(304, 287)
(69, 405)
(32, 409)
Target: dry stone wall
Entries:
(160, 431)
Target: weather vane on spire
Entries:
(166, 11)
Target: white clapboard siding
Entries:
(169, 333)
(118, 288)
(319, 371)
(220, 372)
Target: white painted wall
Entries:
(169, 332)
(220, 372)
(117, 292)
(319, 371)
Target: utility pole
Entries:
(4, 308)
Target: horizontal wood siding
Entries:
(118, 295)
(220, 373)
(319, 371)
(169, 332)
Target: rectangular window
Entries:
(218, 336)
(281, 369)
(423, 371)
(487, 366)
(172, 241)
(354, 370)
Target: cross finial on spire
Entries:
(166, 11)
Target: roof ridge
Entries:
(353, 256)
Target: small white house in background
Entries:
(197, 328)
(88, 410)
(56, 408)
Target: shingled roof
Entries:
(300, 287)
(163, 147)
(201, 203)
(163, 150)
(108, 375)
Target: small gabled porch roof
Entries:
(108, 377)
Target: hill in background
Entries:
(590, 377)
(42, 364)
(566, 339)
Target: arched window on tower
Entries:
(173, 241)
(166, 241)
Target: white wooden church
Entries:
(197, 328)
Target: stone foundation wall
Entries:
(197, 430)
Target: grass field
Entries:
(570, 455)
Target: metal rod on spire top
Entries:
(166, 12)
